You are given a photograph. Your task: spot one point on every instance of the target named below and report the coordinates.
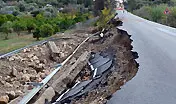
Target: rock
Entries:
(42, 75)
(4, 99)
(18, 93)
(47, 72)
(37, 61)
(12, 79)
(26, 77)
(33, 78)
(30, 55)
(64, 44)
(24, 50)
(35, 48)
(25, 88)
(54, 51)
(42, 51)
(11, 58)
(62, 54)
(24, 71)
(7, 78)
(16, 84)
(41, 66)
(31, 64)
(14, 72)
(31, 71)
(48, 94)
(39, 79)
(8, 85)
(11, 95)
(35, 58)
(20, 74)
(2, 82)
(44, 61)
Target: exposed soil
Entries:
(125, 67)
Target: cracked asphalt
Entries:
(155, 81)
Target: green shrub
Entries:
(36, 33)
(172, 17)
(157, 13)
(144, 12)
(105, 16)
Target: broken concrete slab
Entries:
(48, 94)
(68, 75)
(54, 51)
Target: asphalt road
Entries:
(155, 82)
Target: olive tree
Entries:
(46, 30)
(18, 26)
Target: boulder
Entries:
(11, 95)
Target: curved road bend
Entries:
(155, 82)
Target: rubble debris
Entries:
(32, 65)
(100, 66)
(105, 79)
(69, 75)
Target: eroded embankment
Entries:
(125, 68)
(76, 82)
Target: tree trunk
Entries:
(6, 37)
(38, 39)
(98, 6)
(18, 33)
(29, 31)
